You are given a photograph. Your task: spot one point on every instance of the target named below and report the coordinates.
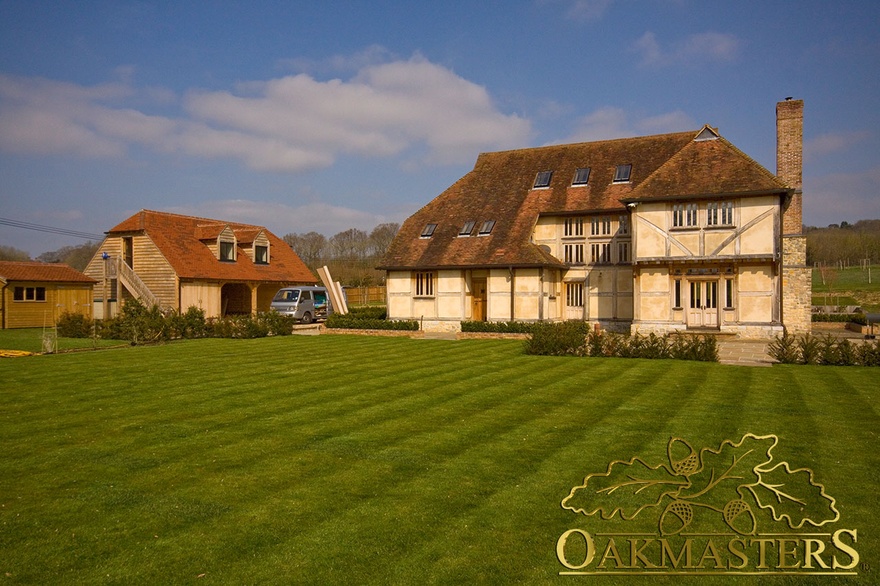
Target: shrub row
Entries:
(497, 327)
(576, 339)
(369, 318)
(828, 350)
(858, 318)
(139, 324)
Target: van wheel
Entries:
(307, 318)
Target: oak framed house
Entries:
(673, 232)
(35, 294)
(178, 262)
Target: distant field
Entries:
(848, 287)
(361, 460)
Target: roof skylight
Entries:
(543, 179)
(486, 228)
(622, 173)
(428, 230)
(581, 176)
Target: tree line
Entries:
(844, 244)
(351, 255)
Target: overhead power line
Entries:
(50, 229)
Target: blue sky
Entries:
(325, 116)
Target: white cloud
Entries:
(39, 116)
(584, 10)
(609, 123)
(676, 121)
(603, 124)
(291, 123)
(708, 47)
(281, 218)
(825, 144)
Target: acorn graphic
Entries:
(682, 457)
(739, 516)
(676, 516)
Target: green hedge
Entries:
(369, 318)
(827, 350)
(576, 339)
(498, 327)
(858, 318)
(140, 324)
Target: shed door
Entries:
(478, 307)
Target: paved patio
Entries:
(744, 353)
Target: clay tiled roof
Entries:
(706, 169)
(182, 241)
(500, 188)
(40, 271)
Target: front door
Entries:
(478, 306)
(703, 308)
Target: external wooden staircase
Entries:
(134, 284)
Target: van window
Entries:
(288, 295)
(306, 296)
(320, 299)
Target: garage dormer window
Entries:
(261, 254)
(227, 250)
(428, 230)
(622, 173)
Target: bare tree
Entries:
(352, 255)
(311, 247)
(381, 237)
(76, 256)
(12, 253)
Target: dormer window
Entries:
(543, 179)
(261, 255)
(227, 250)
(428, 230)
(467, 228)
(486, 228)
(622, 173)
(581, 176)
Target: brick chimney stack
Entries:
(789, 159)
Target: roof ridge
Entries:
(210, 221)
(596, 142)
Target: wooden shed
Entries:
(34, 294)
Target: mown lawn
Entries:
(31, 340)
(359, 460)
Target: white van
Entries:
(304, 303)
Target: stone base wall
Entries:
(740, 331)
(436, 325)
(616, 327)
(796, 286)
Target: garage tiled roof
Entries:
(40, 271)
(182, 240)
